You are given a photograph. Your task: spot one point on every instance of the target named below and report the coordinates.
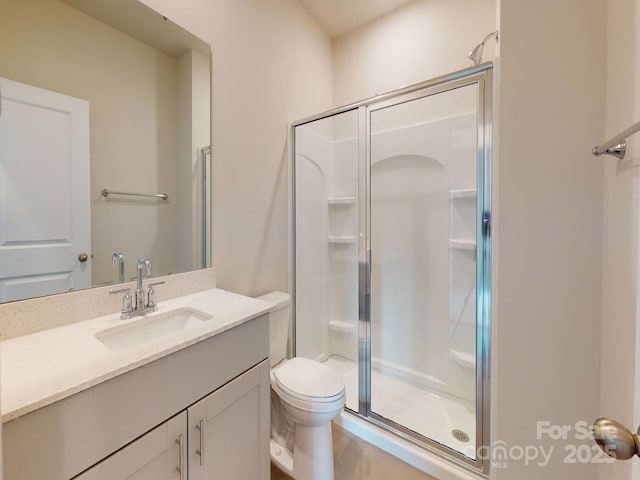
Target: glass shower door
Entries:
(326, 186)
(423, 167)
(391, 242)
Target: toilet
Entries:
(305, 396)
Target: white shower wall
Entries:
(313, 155)
(326, 233)
(423, 181)
(423, 319)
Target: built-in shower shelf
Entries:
(460, 244)
(468, 193)
(343, 327)
(462, 358)
(342, 200)
(342, 239)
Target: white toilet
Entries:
(305, 396)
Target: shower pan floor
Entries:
(436, 416)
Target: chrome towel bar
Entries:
(106, 193)
(617, 146)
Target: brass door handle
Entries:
(615, 439)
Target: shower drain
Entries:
(460, 435)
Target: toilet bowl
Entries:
(306, 397)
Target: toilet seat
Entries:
(308, 385)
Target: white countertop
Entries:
(41, 368)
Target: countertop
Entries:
(44, 367)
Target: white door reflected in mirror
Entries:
(44, 192)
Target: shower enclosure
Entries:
(391, 245)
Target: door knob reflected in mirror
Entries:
(615, 439)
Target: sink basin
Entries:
(152, 327)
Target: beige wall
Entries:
(194, 79)
(620, 398)
(271, 65)
(547, 217)
(71, 53)
(420, 41)
(280, 72)
(547, 228)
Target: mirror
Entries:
(100, 94)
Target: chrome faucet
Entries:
(143, 265)
(117, 260)
(140, 307)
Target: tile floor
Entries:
(355, 459)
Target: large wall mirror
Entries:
(100, 97)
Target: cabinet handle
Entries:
(180, 467)
(200, 427)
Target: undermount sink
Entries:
(151, 327)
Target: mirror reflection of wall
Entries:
(149, 103)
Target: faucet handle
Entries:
(127, 306)
(121, 290)
(151, 296)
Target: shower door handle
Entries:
(369, 269)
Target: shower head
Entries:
(475, 55)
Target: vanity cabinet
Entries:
(215, 393)
(220, 437)
(227, 430)
(158, 455)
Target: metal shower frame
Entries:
(480, 75)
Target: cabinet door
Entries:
(157, 455)
(229, 430)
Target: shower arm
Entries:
(475, 55)
(492, 34)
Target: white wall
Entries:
(312, 227)
(422, 40)
(548, 214)
(271, 65)
(194, 80)
(418, 281)
(547, 228)
(619, 399)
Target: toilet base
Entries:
(281, 457)
(312, 457)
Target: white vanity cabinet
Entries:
(228, 428)
(225, 439)
(215, 393)
(157, 455)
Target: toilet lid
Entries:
(308, 378)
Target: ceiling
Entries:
(339, 17)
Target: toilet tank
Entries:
(278, 324)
